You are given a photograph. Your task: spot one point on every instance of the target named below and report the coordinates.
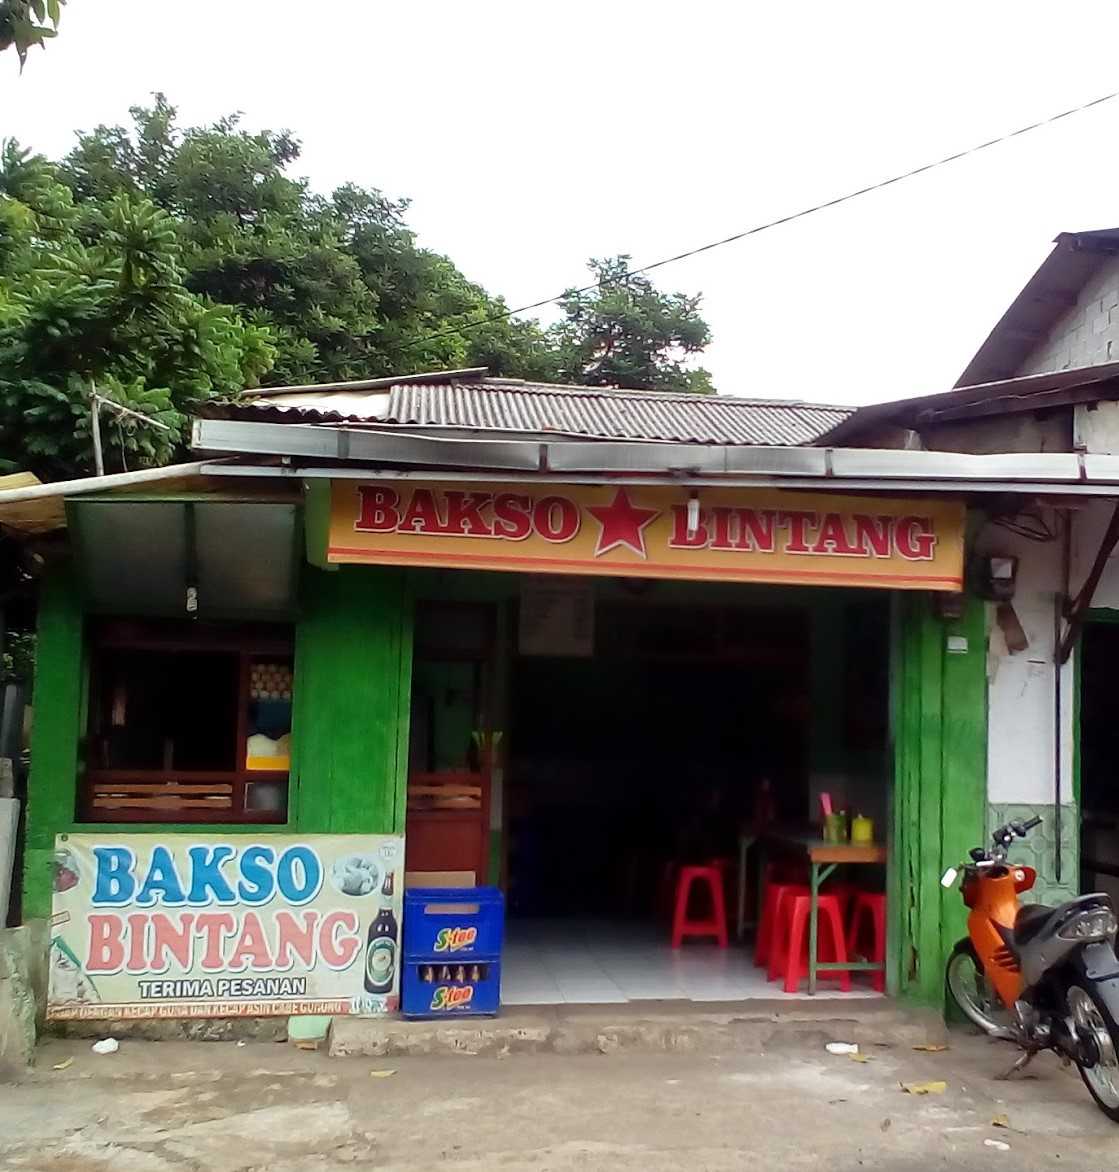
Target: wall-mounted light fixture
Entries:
(693, 514)
(996, 577)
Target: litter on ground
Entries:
(842, 1048)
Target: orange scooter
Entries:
(1045, 978)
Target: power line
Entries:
(799, 215)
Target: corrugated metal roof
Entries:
(513, 406)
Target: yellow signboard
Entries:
(727, 534)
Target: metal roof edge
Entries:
(1024, 385)
(682, 462)
(369, 384)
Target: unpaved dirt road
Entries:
(219, 1107)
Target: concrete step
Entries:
(754, 1027)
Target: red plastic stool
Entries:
(778, 953)
(870, 906)
(716, 924)
(775, 893)
(846, 893)
(791, 943)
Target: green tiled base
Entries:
(1038, 848)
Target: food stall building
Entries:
(559, 639)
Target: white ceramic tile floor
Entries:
(581, 962)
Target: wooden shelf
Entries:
(454, 791)
(137, 795)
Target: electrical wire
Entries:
(798, 215)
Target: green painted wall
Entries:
(349, 739)
(353, 668)
(940, 795)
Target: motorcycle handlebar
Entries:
(1031, 824)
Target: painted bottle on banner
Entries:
(381, 946)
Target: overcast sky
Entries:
(531, 136)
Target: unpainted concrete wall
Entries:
(1015, 432)
(1086, 334)
(23, 993)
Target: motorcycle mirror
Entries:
(949, 877)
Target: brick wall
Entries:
(1086, 334)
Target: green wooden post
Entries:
(52, 787)
(940, 706)
(353, 671)
(963, 817)
(930, 656)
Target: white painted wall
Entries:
(1020, 696)
(1020, 758)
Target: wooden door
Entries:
(447, 826)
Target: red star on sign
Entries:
(622, 523)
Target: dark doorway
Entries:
(653, 749)
(1099, 758)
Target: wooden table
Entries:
(823, 858)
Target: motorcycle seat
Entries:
(1028, 922)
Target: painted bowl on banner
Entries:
(66, 873)
(356, 875)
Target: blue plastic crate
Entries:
(433, 989)
(445, 923)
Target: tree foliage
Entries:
(338, 280)
(626, 333)
(168, 265)
(26, 23)
(94, 294)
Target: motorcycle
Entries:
(1045, 978)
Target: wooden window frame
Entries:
(246, 642)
